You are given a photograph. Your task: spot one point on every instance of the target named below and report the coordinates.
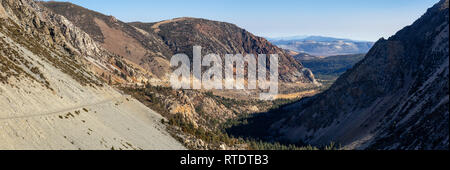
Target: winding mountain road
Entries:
(66, 109)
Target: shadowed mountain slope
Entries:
(397, 97)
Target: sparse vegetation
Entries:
(11, 59)
(260, 145)
(211, 130)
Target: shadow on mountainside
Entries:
(257, 126)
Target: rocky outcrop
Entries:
(61, 33)
(199, 117)
(3, 12)
(140, 47)
(52, 99)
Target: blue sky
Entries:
(355, 19)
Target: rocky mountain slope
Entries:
(323, 46)
(52, 94)
(181, 34)
(397, 97)
(142, 48)
(151, 45)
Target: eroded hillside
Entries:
(51, 95)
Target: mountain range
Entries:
(73, 78)
(150, 45)
(322, 46)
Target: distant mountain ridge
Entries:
(311, 38)
(322, 46)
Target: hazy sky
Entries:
(355, 19)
